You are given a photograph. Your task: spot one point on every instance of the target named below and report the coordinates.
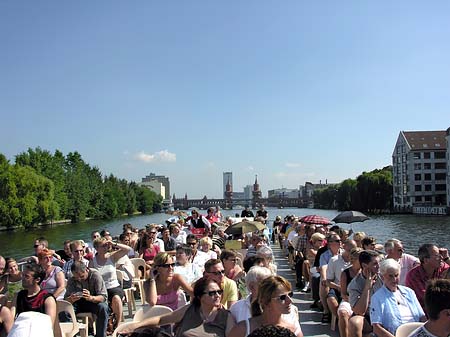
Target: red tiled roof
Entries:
(426, 140)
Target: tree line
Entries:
(41, 187)
(370, 192)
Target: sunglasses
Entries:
(35, 246)
(283, 297)
(79, 251)
(218, 273)
(166, 265)
(192, 243)
(214, 292)
(152, 232)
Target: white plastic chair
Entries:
(70, 329)
(145, 312)
(137, 279)
(129, 294)
(406, 329)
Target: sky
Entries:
(291, 91)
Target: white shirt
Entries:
(335, 267)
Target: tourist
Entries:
(431, 267)
(247, 213)
(219, 237)
(163, 286)
(151, 228)
(335, 267)
(437, 304)
(394, 250)
(241, 310)
(272, 331)
(14, 278)
(6, 320)
(169, 243)
(32, 297)
(198, 224)
(357, 237)
(191, 272)
(344, 311)
(311, 247)
(256, 241)
(206, 246)
(301, 243)
(276, 225)
(204, 317)
(214, 270)
(54, 281)
(262, 213)
(274, 300)
(198, 257)
(218, 214)
(65, 253)
(360, 290)
(125, 240)
(177, 234)
(105, 262)
(90, 250)
(3, 281)
(393, 304)
(267, 254)
(211, 215)
(334, 248)
(232, 270)
(368, 243)
(148, 248)
(87, 292)
(77, 248)
(299, 231)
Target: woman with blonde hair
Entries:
(316, 242)
(205, 245)
(163, 286)
(108, 253)
(273, 301)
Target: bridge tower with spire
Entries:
(229, 195)
(256, 193)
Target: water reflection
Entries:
(412, 230)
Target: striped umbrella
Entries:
(315, 219)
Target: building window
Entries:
(427, 166)
(439, 155)
(439, 176)
(428, 198)
(417, 177)
(439, 166)
(427, 176)
(426, 155)
(440, 187)
(427, 188)
(418, 199)
(416, 155)
(417, 166)
(418, 188)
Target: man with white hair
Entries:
(393, 304)
(394, 250)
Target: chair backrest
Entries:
(119, 277)
(138, 262)
(405, 329)
(148, 311)
(68, 328)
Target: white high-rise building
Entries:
(227, 177)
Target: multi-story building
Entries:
(161, 179)
(156, 187)
(420, 177)
(447, 141)
(284, 193)
(248, 192)
(227, 178)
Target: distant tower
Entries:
(229, 196)
(227, 178)
(256, 193)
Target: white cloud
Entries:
(160, 156)
(293, 165)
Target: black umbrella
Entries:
(350, 217)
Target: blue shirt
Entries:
(384, 308)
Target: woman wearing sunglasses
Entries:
(273, 302)
(204, 317)
(163, 286)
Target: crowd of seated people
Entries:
(214, 290)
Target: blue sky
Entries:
(293, 91)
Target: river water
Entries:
(412, 230)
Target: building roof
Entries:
(426, 140)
